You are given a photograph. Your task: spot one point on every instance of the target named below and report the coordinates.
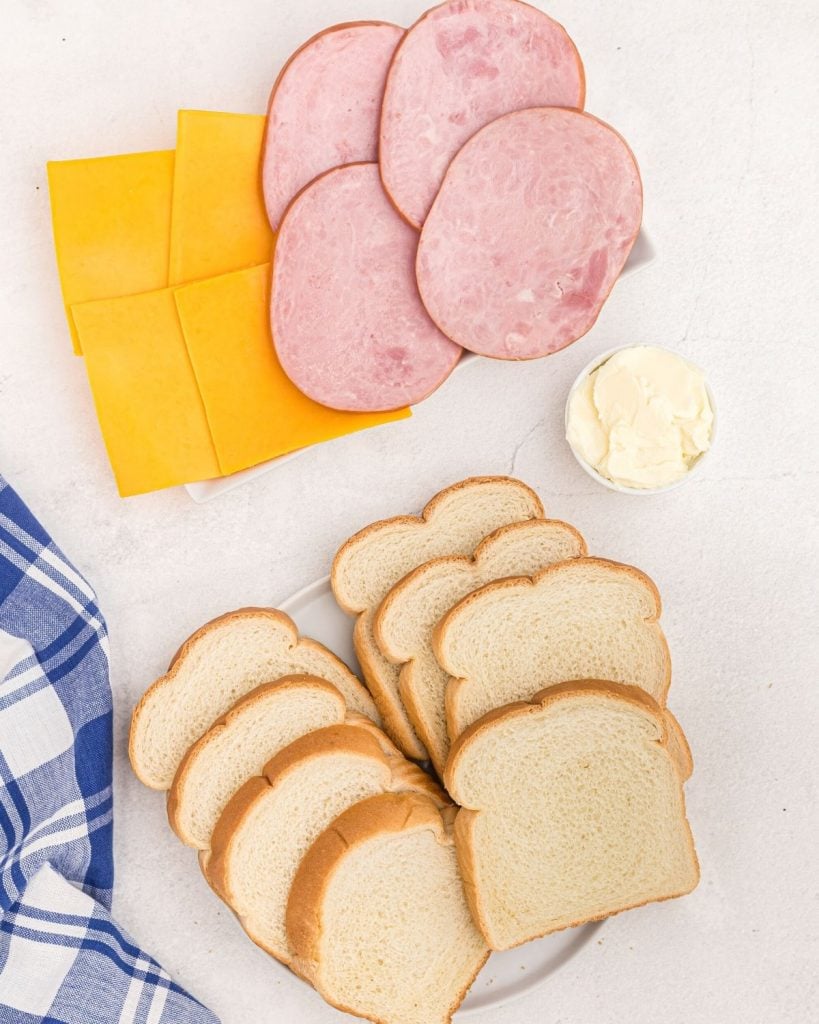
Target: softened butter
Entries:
(642, 418)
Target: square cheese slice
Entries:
(255, 412)
(218, 220)
(111, 217)
(148, 403)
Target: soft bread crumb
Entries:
(572, 810)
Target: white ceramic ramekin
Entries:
(612, 484)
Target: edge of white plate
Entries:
(642, 253)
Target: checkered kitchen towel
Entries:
(62, 958)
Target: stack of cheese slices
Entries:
(529, 679)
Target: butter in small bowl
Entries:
(640, 419)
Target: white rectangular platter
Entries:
(641, 255)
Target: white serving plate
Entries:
(506, 975)
(640, 256)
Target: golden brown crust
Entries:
(214, 866)
(525, 582)
(355, 739)
(179, 658)
(390, 813)
(241, 707)
(249, 611)
(426, 514)
(356, 736)
(378, 815)
(424, 16)
(678, 747)
(383, 1020)
(602, 917)
(406, 691)
(474, 560)
(392, 713)
(492, 539)
(395, 719)
(542, 699)
(415, 711)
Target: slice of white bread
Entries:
(375, 559)
(220, 663)
(377, 918)
(239, 745)
(583, 619)
(573, 810)
(271, 822)
(405, 621)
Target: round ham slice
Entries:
(324, 108)
(348, 324)
(530, 230)
(461, 66)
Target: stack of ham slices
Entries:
(435, 190)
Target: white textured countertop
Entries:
(715, 100)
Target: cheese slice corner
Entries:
(147, 400)
(111, 218)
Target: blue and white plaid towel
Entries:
(62, 958)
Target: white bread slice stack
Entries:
(405, 621)
(587, 618)
(377, 917)
(271, 822)
(215, 667)
(237, 747)
(377, 557)
(572, 810)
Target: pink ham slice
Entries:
(324, 108)
(348, 324)
(461, 66)
(533, 223)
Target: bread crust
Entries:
(524, 583)
(394, 716)
(466, 816)
(356, 736)
(407, 691)
(378, 815)
(427, 513)
(550, 695)
(678, 746)
(240, 708)
(470, 561)
(156, 688)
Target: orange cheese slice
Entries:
(254, 411)
(111, 217)
(218, 221)
(148, 404)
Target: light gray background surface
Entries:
(719, 103)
